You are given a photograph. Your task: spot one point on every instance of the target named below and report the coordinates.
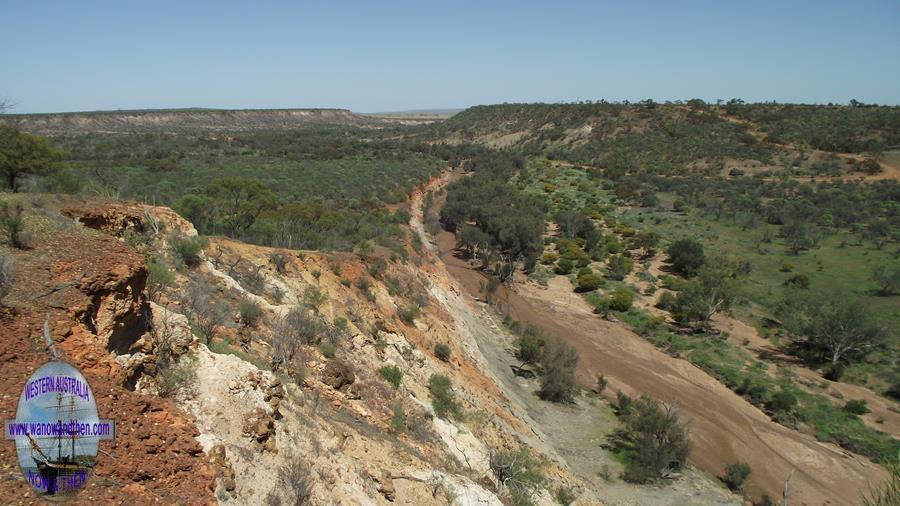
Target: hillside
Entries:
(678, 138)
(191, 120)
(371, 315)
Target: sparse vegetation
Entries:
(250, 312)
(443, 400)
(621, 299)
(736, 474)
(655, 438)
(442, 352)
(392, 374)
(6, 275)
(177, 376)
(558, 363)
(159, 277)
(13, 220)
(408, 314)
(516, 472)
(856, 407)
(187, 250)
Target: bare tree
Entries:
(517, 471)
(5, 105)
(208, 315)
(299, 326)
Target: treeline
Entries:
(679, 137)
(493, 220)
(805, 211)
(845, 129)
(310, 189)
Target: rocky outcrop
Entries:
(89, 287)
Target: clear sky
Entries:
(380, 55)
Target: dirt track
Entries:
(724, 427)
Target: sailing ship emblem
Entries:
(57, 430)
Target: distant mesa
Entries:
(198, 119)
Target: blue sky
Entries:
(384, 56)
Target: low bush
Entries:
(158, 278)
(392, 374)
(517, 472)
(619, 266)
(187, 250)
(857, 407)
(558, 362)
(621, 299)
(398, 419)
(279, 259)
(589, 282)
(666, 301)
(564, 266)
(782, 402)
(736, 474)
(655, 438)
(178, 376)
(250, 312)
(327, 349)
(408, 314)
(443, 400)
(6, 275)
(442, 352)
(12, 219)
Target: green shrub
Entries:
(327, 349)
(12, 219)
(442, 351)
(158, 278)
(564, 266)
(377, 267)
(619, 266)
(589, 282)
(623, 403)
(250, 312)
(280, 260)
(566, 495)
(782, 402)
(893, 391)
(517, 472)
(408, 314)
(187, 250)
(835, 372)
(686, 256)
(443, 399)
(177, 376)
(313, 297)
(558, 362)
(857, 407)
(392, 374)
(655, 438)
(530, 345)
(398, 419)
(621, 299)
(800, 281)
(672, 283)
(736, 474)
(666, 301)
